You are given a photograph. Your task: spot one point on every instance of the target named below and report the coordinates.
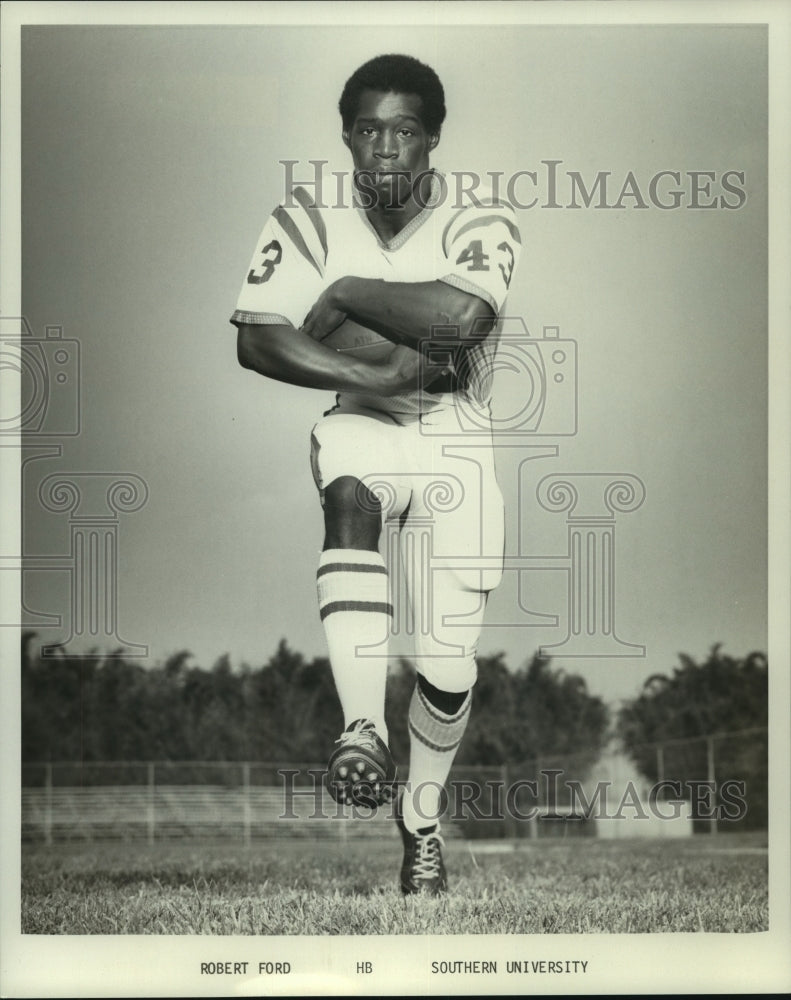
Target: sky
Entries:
(150, 160)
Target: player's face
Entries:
(390, 145)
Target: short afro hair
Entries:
(400, 75)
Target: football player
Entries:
(402, 256)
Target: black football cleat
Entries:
(361, 771)
(423, 870)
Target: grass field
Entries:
(319, 887)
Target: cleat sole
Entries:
(361, 774)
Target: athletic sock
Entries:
(356, 613)
(434, 738)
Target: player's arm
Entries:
(477, 251)
(404, 312)
(280, 352)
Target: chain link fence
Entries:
(714, 783)
(723, 775)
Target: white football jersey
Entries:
(472, 244)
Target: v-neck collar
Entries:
(400, 238)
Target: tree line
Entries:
(108, 708)
(710, 720)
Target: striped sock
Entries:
(434, 738)
(356, 612)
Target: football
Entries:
(359, 342)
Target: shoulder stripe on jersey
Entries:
(490, 203)
(487, 220)
(314, 215)
(289, 227)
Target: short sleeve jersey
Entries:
(471, 243)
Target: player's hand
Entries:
(324, 315)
